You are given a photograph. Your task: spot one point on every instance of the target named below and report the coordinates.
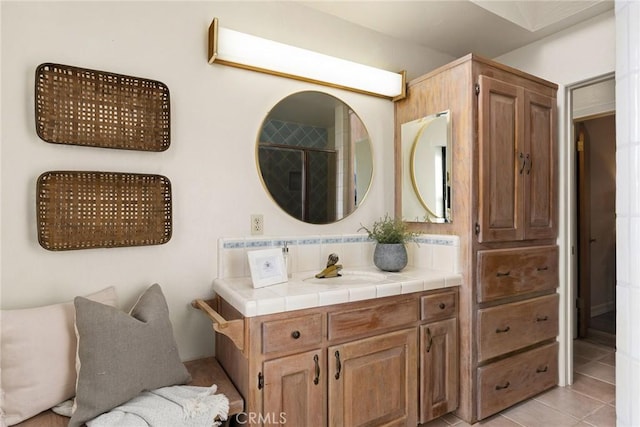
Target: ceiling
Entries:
(488, 28)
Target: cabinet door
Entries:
(541, 168)
(372, 382)
(439, 369)
(501, 160)
(294, 390)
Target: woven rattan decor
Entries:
(82, 210)
(78, 106)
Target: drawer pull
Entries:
(542, 319)
(430, 343)
(501, 331)
(500, 274)
(545, 268)
(541, 370)
(295, 335)
(316, 380)
(442, 306)
(502, 387)
(338, 364)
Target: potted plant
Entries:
(391, 235)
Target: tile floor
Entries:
(589, 401)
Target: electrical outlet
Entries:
(257, 224)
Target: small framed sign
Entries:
(267, 267)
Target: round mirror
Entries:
(314, 157)
(429, 171)
(426, 157)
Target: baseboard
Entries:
(597, 310)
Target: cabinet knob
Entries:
(503, 274)
(541, 370)
(442, 305)
(503, 330)
(295, 335)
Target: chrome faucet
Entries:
(332, 269)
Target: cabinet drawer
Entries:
(438, 306)
(372, 319)
(508, 272)
(513, 326)
(291, 334)
(512, 380)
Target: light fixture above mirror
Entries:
(249, 52)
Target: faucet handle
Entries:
(333, 259)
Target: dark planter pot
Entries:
(390, 256)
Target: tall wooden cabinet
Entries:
(504, 206)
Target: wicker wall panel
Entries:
(85, 107)
(82, 210)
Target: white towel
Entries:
(175, 406)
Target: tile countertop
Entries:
(303, 291)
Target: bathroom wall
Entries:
(216, 115)
(628, 212)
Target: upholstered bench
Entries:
(117, 357)
(204, 372)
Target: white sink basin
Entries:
(349, 277)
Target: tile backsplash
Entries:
(310, 253)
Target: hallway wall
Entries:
(601, 136)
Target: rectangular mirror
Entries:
(426, 169)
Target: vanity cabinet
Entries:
(438, 369)
(505, 211)
(292, 391)
(386, 361)
(372, 381)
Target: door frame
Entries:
(583, 219)
(569, 276)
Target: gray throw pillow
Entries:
(121, 355)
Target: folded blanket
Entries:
(175, 406)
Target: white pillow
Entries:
(38, 353)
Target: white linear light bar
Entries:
(241, 50)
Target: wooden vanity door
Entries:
(540, 208)
(294, 390)
(372, 382)
(439, 369)
(502, 161)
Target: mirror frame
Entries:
(446, 178)
(360, 192)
